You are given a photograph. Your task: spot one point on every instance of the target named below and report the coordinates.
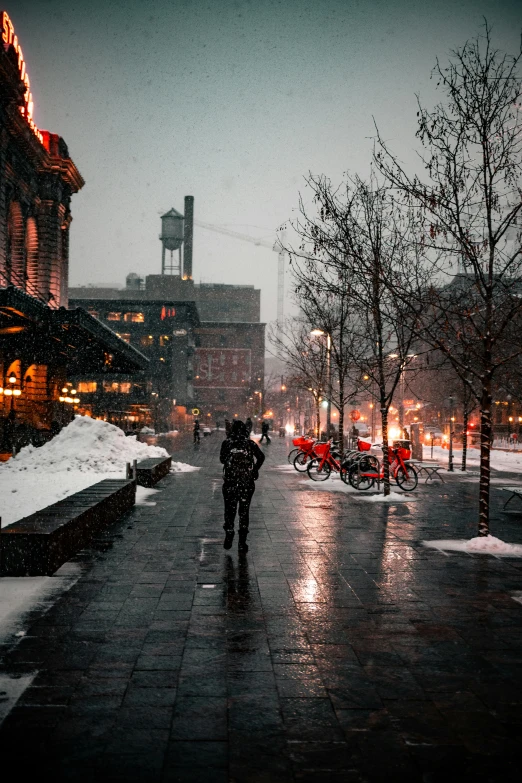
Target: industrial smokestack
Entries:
(189, 237)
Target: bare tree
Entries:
(325, 301)
(467, 212)
(305, 358)
(357, 239)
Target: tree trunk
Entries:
(485, 455)
(465, 417)
(318, 419)
(341, 420)
(385, 455)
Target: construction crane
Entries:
(277, 247)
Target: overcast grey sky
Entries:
(231, 101)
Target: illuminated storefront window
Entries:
(125, 336)
(147, 340)
(114, 316)
(134, 317)
(87, 387)
(164, 339)
(113, 387)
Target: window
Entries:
(125, 336)
(147, 340)
(87, 387)
(114, 316)
(92, 312)
(113, 387)
(164, 340)
(134, 317)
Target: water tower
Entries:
(176, 235)
(172, 224)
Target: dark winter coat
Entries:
(246, 476)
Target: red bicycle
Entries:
(305, 454)
(323, 461)
(363, 474)
(297, 442)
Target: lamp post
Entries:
(68, 397)
(11, 392)
(319, 333)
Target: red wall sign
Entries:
(222, 368)
(355, 415)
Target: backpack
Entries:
(240, 462)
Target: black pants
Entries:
(264, 435)
(233, 495)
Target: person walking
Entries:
(241, 459)
(196, 432)
(248, 425)
(265, 426)
(228, 426)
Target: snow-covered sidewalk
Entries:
(509, 461)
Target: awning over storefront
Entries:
(72, 338)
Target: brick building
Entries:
(163, 330)
(41, 343)
(219, 366)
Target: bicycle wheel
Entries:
(292, 455)
(407, 480)
(316, 473)
(301, 462)
(360, 481)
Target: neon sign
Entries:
(9, 38)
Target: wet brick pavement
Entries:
(337, 649)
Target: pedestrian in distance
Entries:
(264, 432)
(228, 426)
(248, 425)
(241, 459)
(196, 432)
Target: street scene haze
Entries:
(261, 391)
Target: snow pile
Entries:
(87, 445)
(486, 545)
(331, 485)
(182, 467)
(393, 497)
(85, 452)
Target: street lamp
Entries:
(11, 392)
(320, 333)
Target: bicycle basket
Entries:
(363, 446)
(404, 453)
(299, 441)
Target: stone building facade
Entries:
(41, 342)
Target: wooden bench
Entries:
(150, 471)
(40, 543)
(516, 492)
(430, 469)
